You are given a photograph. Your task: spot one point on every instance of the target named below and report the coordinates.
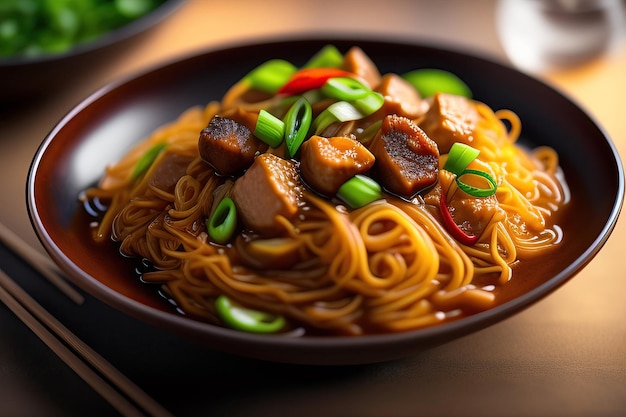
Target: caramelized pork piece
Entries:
(268, 253)
(471, 214)
(168, 171)
(270, 187)
(407, 161)
(450, 119)
(401, 98)
(357, 62)
(329, 162)
(228, 145)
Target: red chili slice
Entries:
(310, 79)
(452, 227)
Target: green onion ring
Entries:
(475, 191)
(270, 75)
(223, 221)
(340, 111)
(370, 103)
(344, 88)
(247, 320)
(430, 81)
(359, 191)
(297, 123)
(459, 157)
(269, 128)
(327, 57)
(147, 159)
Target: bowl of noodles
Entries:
(325, 201)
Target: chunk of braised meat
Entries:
(471, 214)
(271, 187)
(357, 62)
(401, 98)
(228, 145)
(326, 163)
(450, 119)
(407, 160)
(270, 253)
(168, 171)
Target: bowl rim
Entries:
(457, 328)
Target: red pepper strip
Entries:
(453, 228)
(309, 79)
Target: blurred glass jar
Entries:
(544, 35)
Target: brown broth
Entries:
(124, 273)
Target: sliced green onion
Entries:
(223, 221)
(247, 320)
(359, 191)
(297, 124)
(475, 191)
(341, 111)
(368, 134)
(147, 159)
(271, 75)
(313, 96)
(429, 81)
(370, 103)
(327, 57)
(269, 128)
(344, 88)
(459, 157)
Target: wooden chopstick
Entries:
(39, 320)
(44, 265)
(114, 398)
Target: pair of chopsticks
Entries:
(104, 378)
(41, 263)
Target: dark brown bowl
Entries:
(104, 126)
(23, 78)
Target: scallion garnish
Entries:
(271, 75)
(430, 81)
(245, 319)
(459, 157)
(269, 128)
(223, 221)
(344, 88)
(297, 124)
(341, 111)
(327, 57)
(359, 191)
(147, 159)
(475, 191)
(367, 134)
(370, 103)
